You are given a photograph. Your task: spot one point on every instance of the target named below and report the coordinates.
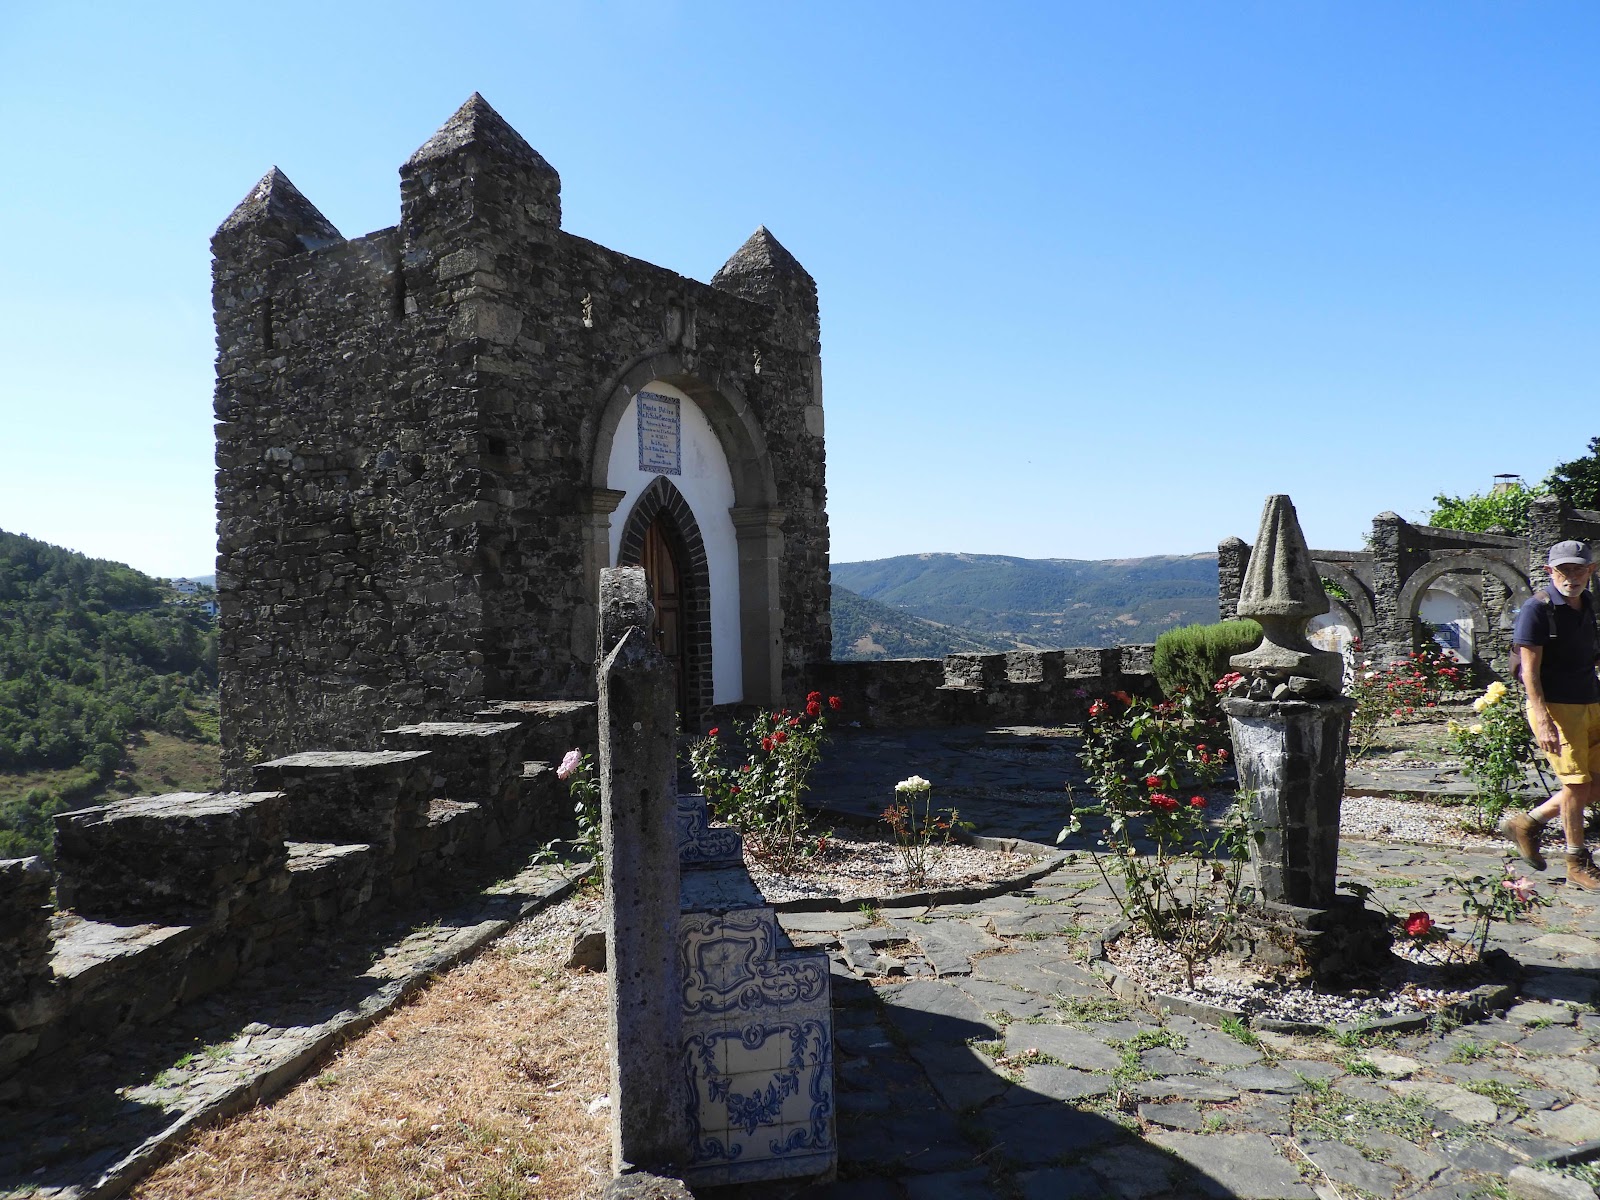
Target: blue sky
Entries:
(1095, 278)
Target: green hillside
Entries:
(865, 629)
(97, 661)
(1051, 602)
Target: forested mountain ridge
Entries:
(92, 653)
(865, 629)
(1051, 602)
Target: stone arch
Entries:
(1359, 605)
(661, 496)
(757, 520)
(1419, 580)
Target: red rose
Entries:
(813, 697)
(1122, 696)
(745, 767)
(835, 703)
(1222, 756)
(733, 791)
(766, 744)
(1418, 923)
(712, 732)
(1098, 707)
(1164, 803)
(793, 721)
(1197, 801)
(781, 736)
(1152, 781)
(813, 708)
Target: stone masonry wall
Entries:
(408, 433)
(1023, 687)
(163, 899)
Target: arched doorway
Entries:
(662, 535)
(662, 559)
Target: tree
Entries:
(1503, 511)
(1577, 483)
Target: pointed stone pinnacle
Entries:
(1282, 591)
(1281, 580)
(476, 125)
(276, 201)
(762, 257)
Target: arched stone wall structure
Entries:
(1359, 607)
(1450, 563)
(694, 587)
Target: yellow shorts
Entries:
(1578, 760)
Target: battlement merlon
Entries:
(477, 202)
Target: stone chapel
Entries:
(432, 438)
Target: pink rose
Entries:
(569, 765)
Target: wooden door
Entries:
(664, 571)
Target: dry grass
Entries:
(481, 1087)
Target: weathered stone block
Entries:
(169, 854)
(345, 796)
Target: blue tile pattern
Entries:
(757, 1057)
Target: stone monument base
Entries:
(1344, 945)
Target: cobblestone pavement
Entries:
(1009, 1069)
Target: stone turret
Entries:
(763, 271)
(478, 171)
(277, 218)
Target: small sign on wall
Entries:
(660, 434)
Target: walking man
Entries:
(1556, 641)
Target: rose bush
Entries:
(1184, 890)
(761, 794)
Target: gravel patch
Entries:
(856, 865)
(1381, 817)
(1406, 988)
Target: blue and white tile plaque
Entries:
(660, 434)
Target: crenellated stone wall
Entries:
(163, 899)
(1021, 687)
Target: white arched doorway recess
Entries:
(725, 481)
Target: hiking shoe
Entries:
(1581, 872)
(1525, 833)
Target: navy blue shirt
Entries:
(1567, 669)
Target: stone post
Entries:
(624, 605)
(649, 1126)
(1290, 727)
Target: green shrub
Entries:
(1196, 656)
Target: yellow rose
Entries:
(1480, 704)
(1475, 729)
(1452, 726)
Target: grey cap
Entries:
(1565, 553)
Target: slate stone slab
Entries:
(1266, 1079)
(1002, 998)
(1060, 1183)
(1529, 1184)
(1531, 1012)
(1173, 1116)
(972, 1184)
(1026, 971)
(1132, 1172)
(1185, 1088)
(1062, 1083)
(1461, 1104)
(1344, 1164)
(1067, 1045)
(1243, 1165)
(1571, 1125)
(1164, 1061)
(937, 1011)
(1037, 1134)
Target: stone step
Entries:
(552, 727)
(350, 795)
(471, 761)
